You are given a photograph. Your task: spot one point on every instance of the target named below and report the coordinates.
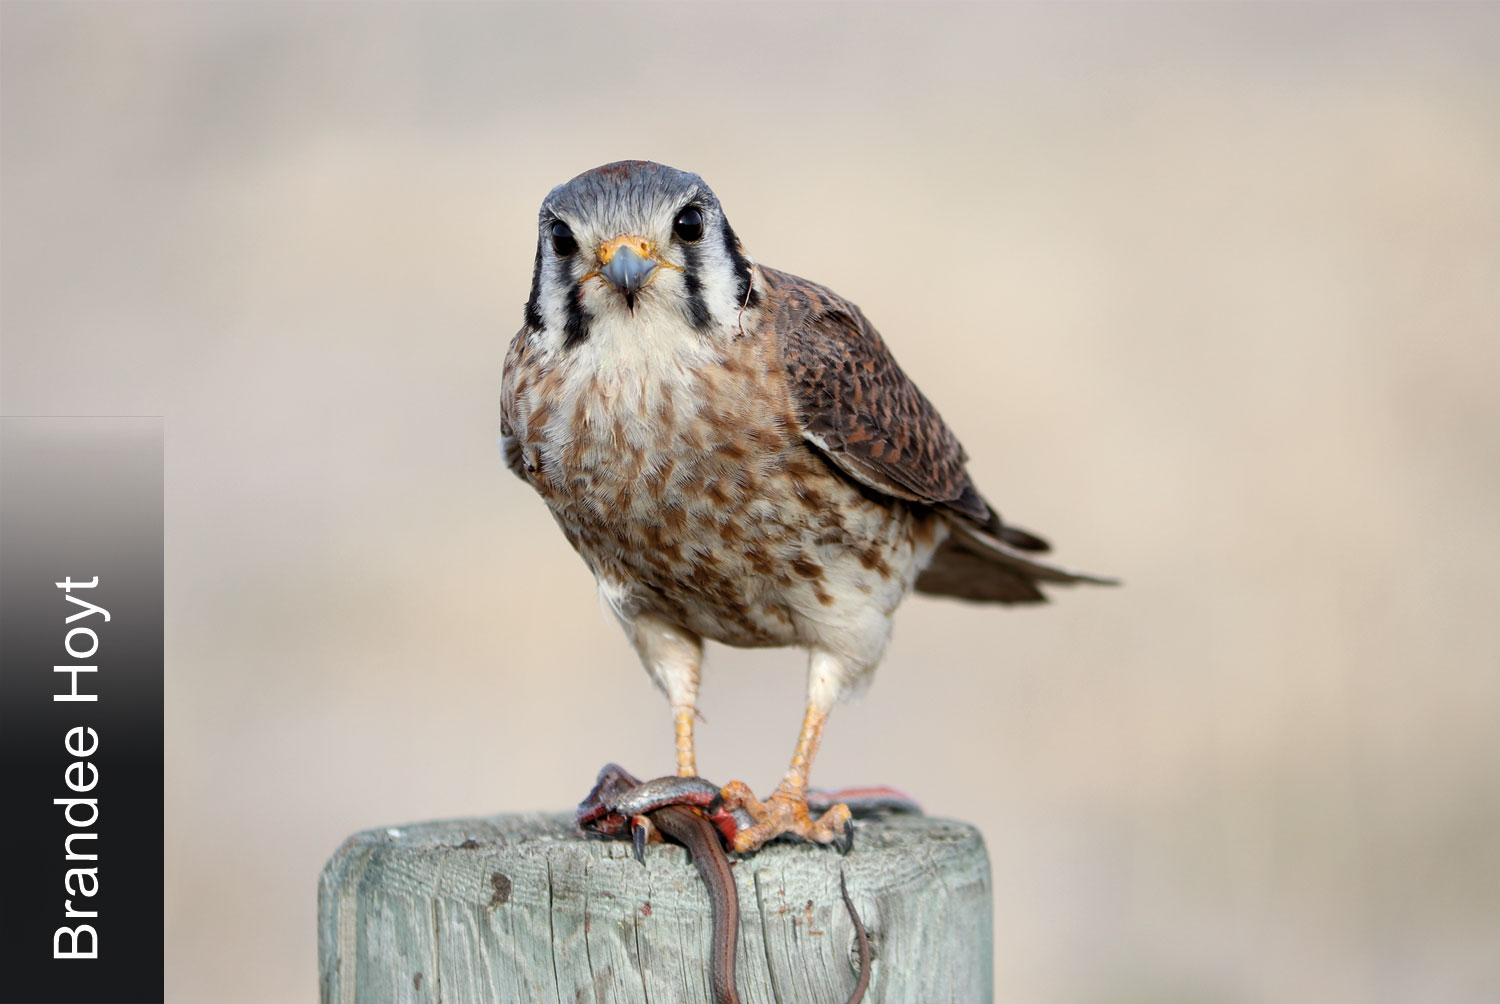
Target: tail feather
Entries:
(1016, 537)
(975, 565)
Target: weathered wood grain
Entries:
(520, 908)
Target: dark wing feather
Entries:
(858, 407)
(867, 417)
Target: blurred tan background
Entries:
(1211, 293)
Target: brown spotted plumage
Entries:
(736, 455)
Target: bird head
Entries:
(636, 244)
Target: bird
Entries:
(737, 456)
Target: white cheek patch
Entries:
(555, 294)
(718, 282)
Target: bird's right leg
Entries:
(673, 657)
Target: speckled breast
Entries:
(691, 494)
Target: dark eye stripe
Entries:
(697, 307)
(534, 304)
(744, 291)
(576, 326)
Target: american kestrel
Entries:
(736, 455)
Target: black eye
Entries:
(562, 240)
(689, 225)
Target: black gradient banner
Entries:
(81, 709)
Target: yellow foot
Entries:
(785, 812)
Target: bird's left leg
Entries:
(673, 656)
(786, 810)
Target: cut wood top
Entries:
(522, 907)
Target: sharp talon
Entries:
(847, 843)
(640, 833)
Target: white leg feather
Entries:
(673, 657)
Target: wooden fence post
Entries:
(516, 909)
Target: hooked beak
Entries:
(625, 268)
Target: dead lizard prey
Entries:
(689, 811)
(688, 827)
